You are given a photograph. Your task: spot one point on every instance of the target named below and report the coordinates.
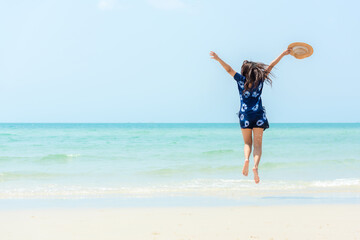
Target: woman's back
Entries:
(250, 100)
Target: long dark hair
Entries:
(255, 73)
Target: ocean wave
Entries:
(7, 134)
(266, 166)
(228, 188)
(337, 183)
(58, 157)
(8, 158)
(193, 169)
(50, 158)
(292, 164)
(10, 176)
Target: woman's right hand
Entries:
(213, 55)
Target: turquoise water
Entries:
(184, 160)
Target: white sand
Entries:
(208, 223)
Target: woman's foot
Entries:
(246, 167)
(256, 175)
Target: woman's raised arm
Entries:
(277, 60)
(224, 64)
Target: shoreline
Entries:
(170, 202)
(176, 223)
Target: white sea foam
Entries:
(337, 183)
(229, 188)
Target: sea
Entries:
(165, 164)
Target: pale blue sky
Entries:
(148, 60)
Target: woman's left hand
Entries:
(287, 51)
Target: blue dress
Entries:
(252, 113)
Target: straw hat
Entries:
(300, 50)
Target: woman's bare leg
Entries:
(247, 135)
(258, 135)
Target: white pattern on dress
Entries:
(243, 107)
(242, 117)
(255, 107)
(247, 94)
(260, 85)
(264, 116)
(246, 123)
(260, 122)
(255, 94)
(241, 84)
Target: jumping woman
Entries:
(250, 82)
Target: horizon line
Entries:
(165, 122)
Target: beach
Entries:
(180, 223)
